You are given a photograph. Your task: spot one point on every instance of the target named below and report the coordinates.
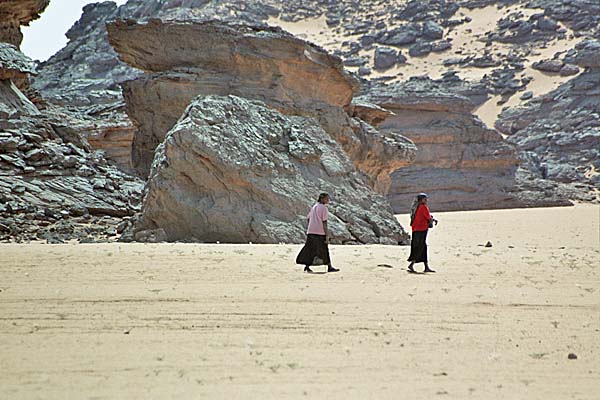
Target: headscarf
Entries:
(415, 204)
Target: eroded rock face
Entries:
(235, 170)
(52, 186)
(82, 80)
(255, 62)
(559, 133)
(87, 70)
(462, 164)
(13, 63)
(263, 52)
(275, 68)
(14, 66)
(14, 13)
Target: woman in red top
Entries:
(420, 220)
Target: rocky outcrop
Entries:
(81, 82)
(14, 14)
(255, 62)
(87, 71)
(274, 68)
(14, 66)
(235, 170)
(52, 186)
(560, 132)
(13, 63)
(462, 164)
(84, 78)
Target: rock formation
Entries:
(559, 133)
(13, 63)
(84, 78)
(267, 64)
(87, 72)
(235, 170)
(14, 66)
(52, 186)
(462, 164)
(14, 14)
(89, 96)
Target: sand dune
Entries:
(242, 321)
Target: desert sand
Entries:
(467, 39)
(132, 321)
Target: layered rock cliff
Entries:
(235, 170)
(255, 62)
(462, 164)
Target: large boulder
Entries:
(235, 170)
(215, 58)
(385, 58)
(587, 54)
(255, 62)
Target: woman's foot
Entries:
(331, 269)
(410, 267)
(308, 270)
(427, 269)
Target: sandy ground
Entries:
(241, 321)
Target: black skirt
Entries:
(418, 247)
(314, 252)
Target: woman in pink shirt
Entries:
(316, 250)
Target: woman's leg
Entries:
(425, 255)
(427, 269)
(325, 254)
(415, 250)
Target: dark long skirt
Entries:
(418, 247)
(314, 252)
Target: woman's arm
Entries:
(326, 232)
(426, 213)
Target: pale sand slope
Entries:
(468, 39)
(241, 321)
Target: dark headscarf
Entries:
(415, 204)
(321, 197)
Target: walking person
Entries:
(420, 222)
(316, 250)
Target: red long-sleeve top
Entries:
(422, 218)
